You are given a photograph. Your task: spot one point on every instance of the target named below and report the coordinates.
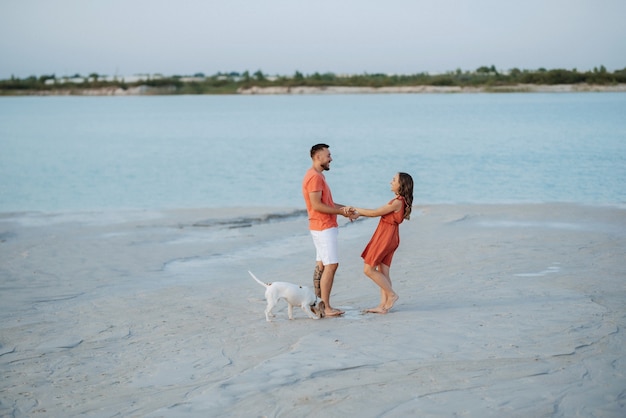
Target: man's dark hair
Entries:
(318, 147)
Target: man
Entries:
(323, 213)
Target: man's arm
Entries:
(318, 205)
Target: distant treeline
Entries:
(229, 83)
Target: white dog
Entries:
(294, 295)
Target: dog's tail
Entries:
(258, 281)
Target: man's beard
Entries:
(326, 167)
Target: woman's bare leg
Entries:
(388, 296)
(389, 301)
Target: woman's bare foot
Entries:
(391, 301)
(379, 310)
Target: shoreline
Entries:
(504, 310)
(303, 90)
(519, 88)
(260, 214)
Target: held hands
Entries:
(350, 212)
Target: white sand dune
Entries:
(504, 310)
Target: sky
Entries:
(280, 37)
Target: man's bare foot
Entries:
(333, 312)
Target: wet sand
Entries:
(504, 310)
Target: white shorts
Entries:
(326, 245)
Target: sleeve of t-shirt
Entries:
(314, 184)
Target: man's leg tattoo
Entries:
(317, 277)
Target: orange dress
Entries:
(386, 238)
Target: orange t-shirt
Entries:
(315, 182)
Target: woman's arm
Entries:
(394, 206)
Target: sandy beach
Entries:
(504, 311)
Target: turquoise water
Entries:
(101, 153)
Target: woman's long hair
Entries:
(406, 191)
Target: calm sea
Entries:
(109, 153)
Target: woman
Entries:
(386, 239)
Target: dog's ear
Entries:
(321, 307)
